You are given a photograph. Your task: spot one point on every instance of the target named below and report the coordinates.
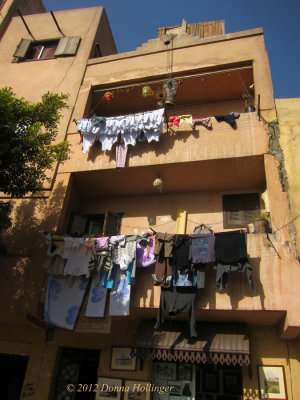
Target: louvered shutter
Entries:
(67, 46)
(240, 209)
(112, 223)
(22, 48)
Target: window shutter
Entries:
(78, 224)
(239, 209)
(22, 48)
(112, 223)
(67, 46)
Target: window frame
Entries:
(43, 44)
(65, 47)
(249, 204)
(111, 222)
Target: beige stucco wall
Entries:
(10, 7)
(288, 113)
(31, 79)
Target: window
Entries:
(239, 209)
(46, 49)
(41, 50)
(107, 224)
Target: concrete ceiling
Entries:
(210, 86)
(213, 175)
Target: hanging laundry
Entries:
(181, 248)
(129, 126)
(63, 300)
(174, 120)
(109, 277)
(229, 118)
(121, 155)
(200, 229)
(230, 247)
(184, 277)
(97, 297)
(202, 248)
(231, 255)
(223, 271)
(119, 301)
(118, 239)
(177, 300)
(100, 261)
(124, 252)
(78, 257)
(145, 250)
(102, 243)
(163, 251)
(55, 245)
(54, 265)
(206, 122)
(185, 118)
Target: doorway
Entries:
(76, 367)
(13, 370)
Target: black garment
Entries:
(200, 268)
(162, 272)
(223, 271)
(230, 247)
(181, 248)
(177, 300)
(229, 118)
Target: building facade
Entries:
(210, 164)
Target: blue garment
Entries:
(97, 297)
(202, 248)
(63, 300)
(119, 301)
(130, 278)
(108, 283)
(184, 277)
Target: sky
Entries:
(134, 22)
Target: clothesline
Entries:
(114, 265)
(127, 129)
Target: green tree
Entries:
(27, 132)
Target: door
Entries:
(76, 368)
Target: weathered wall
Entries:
(288, 113)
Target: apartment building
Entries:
(170, 139)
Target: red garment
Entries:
(174, 120)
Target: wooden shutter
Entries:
(67, 46)
(112, 223)
(77, 224)
(240, 209)
(22, 48)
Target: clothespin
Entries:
(152, 230)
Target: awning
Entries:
(217, 343)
